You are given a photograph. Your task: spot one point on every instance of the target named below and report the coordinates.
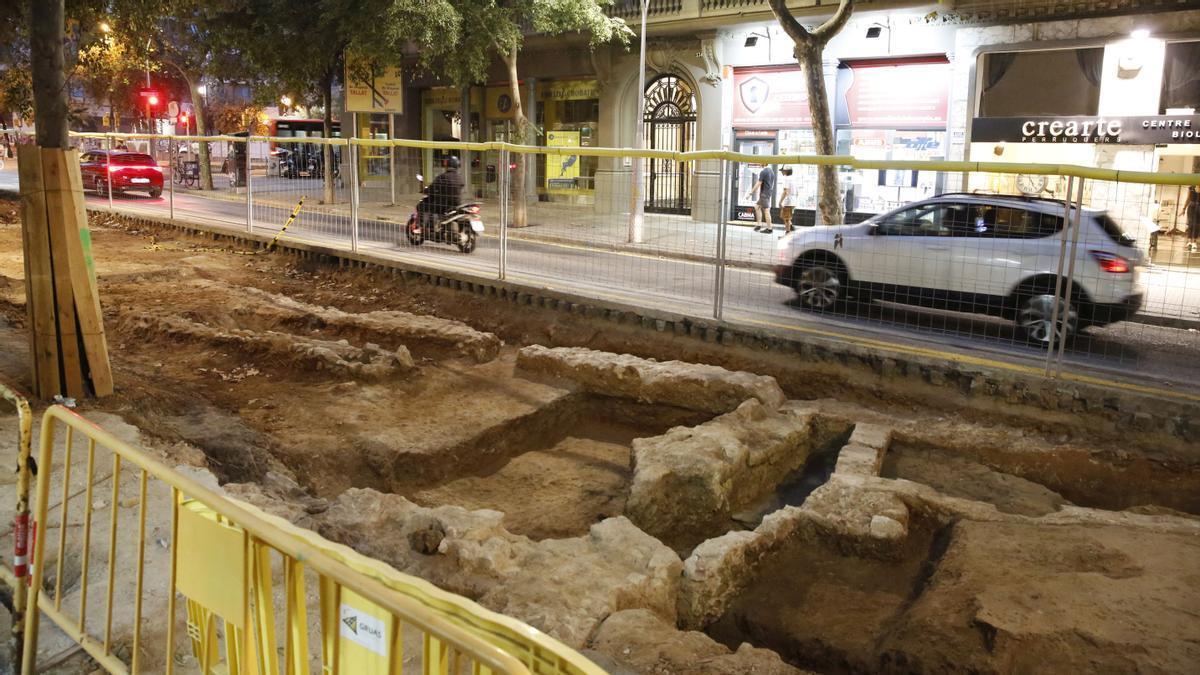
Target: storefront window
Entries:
(872, 191)
(1181, 77)
(579, 120)
(1052, 82)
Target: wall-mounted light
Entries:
(752, 41)
(874, 32)
(1140, 34)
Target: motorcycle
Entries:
(460, 226)
(287, 164)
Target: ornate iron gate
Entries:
(670, 119)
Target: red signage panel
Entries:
(897, 95)
(773, 98)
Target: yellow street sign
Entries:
(372, 88)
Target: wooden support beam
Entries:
(39, 276)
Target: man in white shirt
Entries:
(788, 187)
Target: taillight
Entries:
(1110, 262)
(122, 167)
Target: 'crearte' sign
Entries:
(1142, 130)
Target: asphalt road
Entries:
(1130, 351)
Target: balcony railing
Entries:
(633, 8)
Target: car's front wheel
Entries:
(819, 286)
(1037, 322)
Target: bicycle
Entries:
(185, 172)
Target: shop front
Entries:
(771, 117)
(1129, 105)
(441, 120)
(891, 109)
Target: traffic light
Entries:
(183, 118)
(152, 99)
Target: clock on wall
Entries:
(1031, 186)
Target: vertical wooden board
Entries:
(83, 277)
(60, 216)
(39, 287)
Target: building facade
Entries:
(919, 81)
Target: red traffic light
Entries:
(183, 118)
(152, 99)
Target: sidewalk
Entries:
(666, 235)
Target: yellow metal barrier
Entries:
(220, 561)
(15, 578)
(949, 166)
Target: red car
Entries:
(129, 171)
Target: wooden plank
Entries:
(39, 286)
(61, 216)
(83, 278)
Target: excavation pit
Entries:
(557, 471)
(1029, 483)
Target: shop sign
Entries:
(569, 90)
(498, 103)
(1138, 130)
(894, 95)
(449, 98)
(775, 98)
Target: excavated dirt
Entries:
(408, 422)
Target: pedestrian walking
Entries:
(764, 188)
(1191, 209)
(787, 197)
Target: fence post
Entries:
(503, 178)
(249, 193)
(722, 230)
(1062, 255)
(392, 156)
(171, 171)
(353, 195)
(108, 172)
(1078, 225)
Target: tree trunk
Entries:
(519, 216)
(829, 201)
(327, 150)
(47, 27)
(206, 182)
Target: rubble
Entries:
(340, 358)
(640, 641)
(564, 587)
(688, 385)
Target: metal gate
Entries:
(670, 119)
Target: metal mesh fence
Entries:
(1057, 266)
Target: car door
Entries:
(87, 169)
(910, 249)
(996, 250)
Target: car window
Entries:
(88, 157)
(989, 221)
(1113, 230)
(134, 159)
(918, 221)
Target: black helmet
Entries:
(451, 162)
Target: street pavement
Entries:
(675, 277)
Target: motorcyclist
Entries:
(444, 193)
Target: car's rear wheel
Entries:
(819, 285)
(1037, 322)
(155, 193)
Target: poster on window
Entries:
(772, 98)
(894, 94)
(562, 169)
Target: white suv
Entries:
(976, 253)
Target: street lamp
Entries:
(202, 90)
(286, 101)
(637, 206)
